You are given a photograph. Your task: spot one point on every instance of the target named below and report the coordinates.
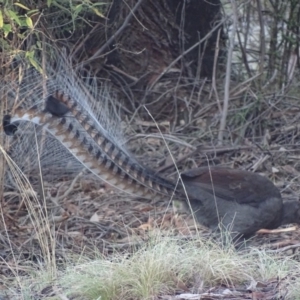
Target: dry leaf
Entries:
(95, 218)
(146, 226)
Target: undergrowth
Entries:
(164, 266)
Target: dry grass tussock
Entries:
(163, 267)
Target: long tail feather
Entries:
(64, 106)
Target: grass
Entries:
(163, 266)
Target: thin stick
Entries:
(117, 33)
(228, 73)
(186, 52)
(2, 142)
(214, 84)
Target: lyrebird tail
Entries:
(63, 105)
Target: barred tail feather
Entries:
(64, 105)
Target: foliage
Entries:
(23, 26)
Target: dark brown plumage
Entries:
(238, 200)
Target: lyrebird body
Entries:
(240, 201)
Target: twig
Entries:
(171, 164)
(260, 162)
(262, 37)
(284, 248)
(228, 75)
(67, 192)
(279, 230)
(80, 45)
(214, 84)
(184, 53)
(2, 142)
(116, 34)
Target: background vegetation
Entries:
(226, 93)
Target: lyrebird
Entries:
(241, 201)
